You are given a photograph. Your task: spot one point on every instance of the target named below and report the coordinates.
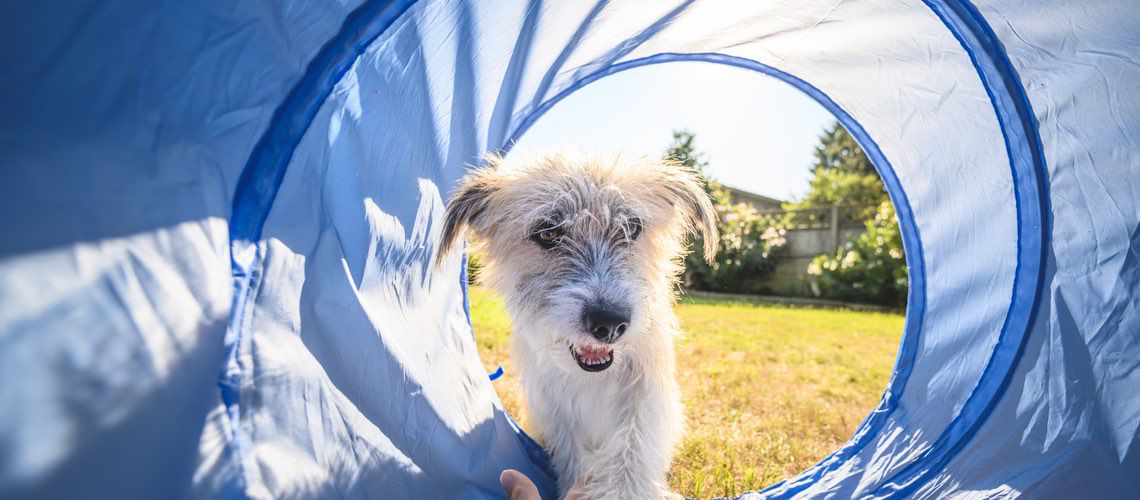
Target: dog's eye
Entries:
(633, 228)
(547, 237)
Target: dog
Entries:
(586, 250)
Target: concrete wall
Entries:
(804, 245)
(808, 243)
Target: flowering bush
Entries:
(749, 245)
(869, 268)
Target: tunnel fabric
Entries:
(220, 222)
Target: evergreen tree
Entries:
(842, 175)
(683, 150)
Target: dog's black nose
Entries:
(606, 324)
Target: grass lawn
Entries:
(768, 390)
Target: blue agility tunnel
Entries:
(218, 221)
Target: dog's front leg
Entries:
(635, 459)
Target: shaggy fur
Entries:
(618, 232)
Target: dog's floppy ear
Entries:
(686, 186)
(467, 204)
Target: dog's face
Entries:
(582, 247)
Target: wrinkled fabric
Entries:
(220, 223)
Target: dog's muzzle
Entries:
(606, 324)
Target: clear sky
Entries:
(757, 132)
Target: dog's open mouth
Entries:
(592, 358)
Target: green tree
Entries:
(683, 150)
(842, 175)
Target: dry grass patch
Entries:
(768, 390)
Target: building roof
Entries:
(740, 193)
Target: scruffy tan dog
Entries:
(586, 250)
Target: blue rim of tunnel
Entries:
(912, 244)
(1026, 155)
(1028, 168)
(261, 177)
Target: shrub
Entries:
(749, 245)
(869, 268)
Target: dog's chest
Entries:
(586, 412)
